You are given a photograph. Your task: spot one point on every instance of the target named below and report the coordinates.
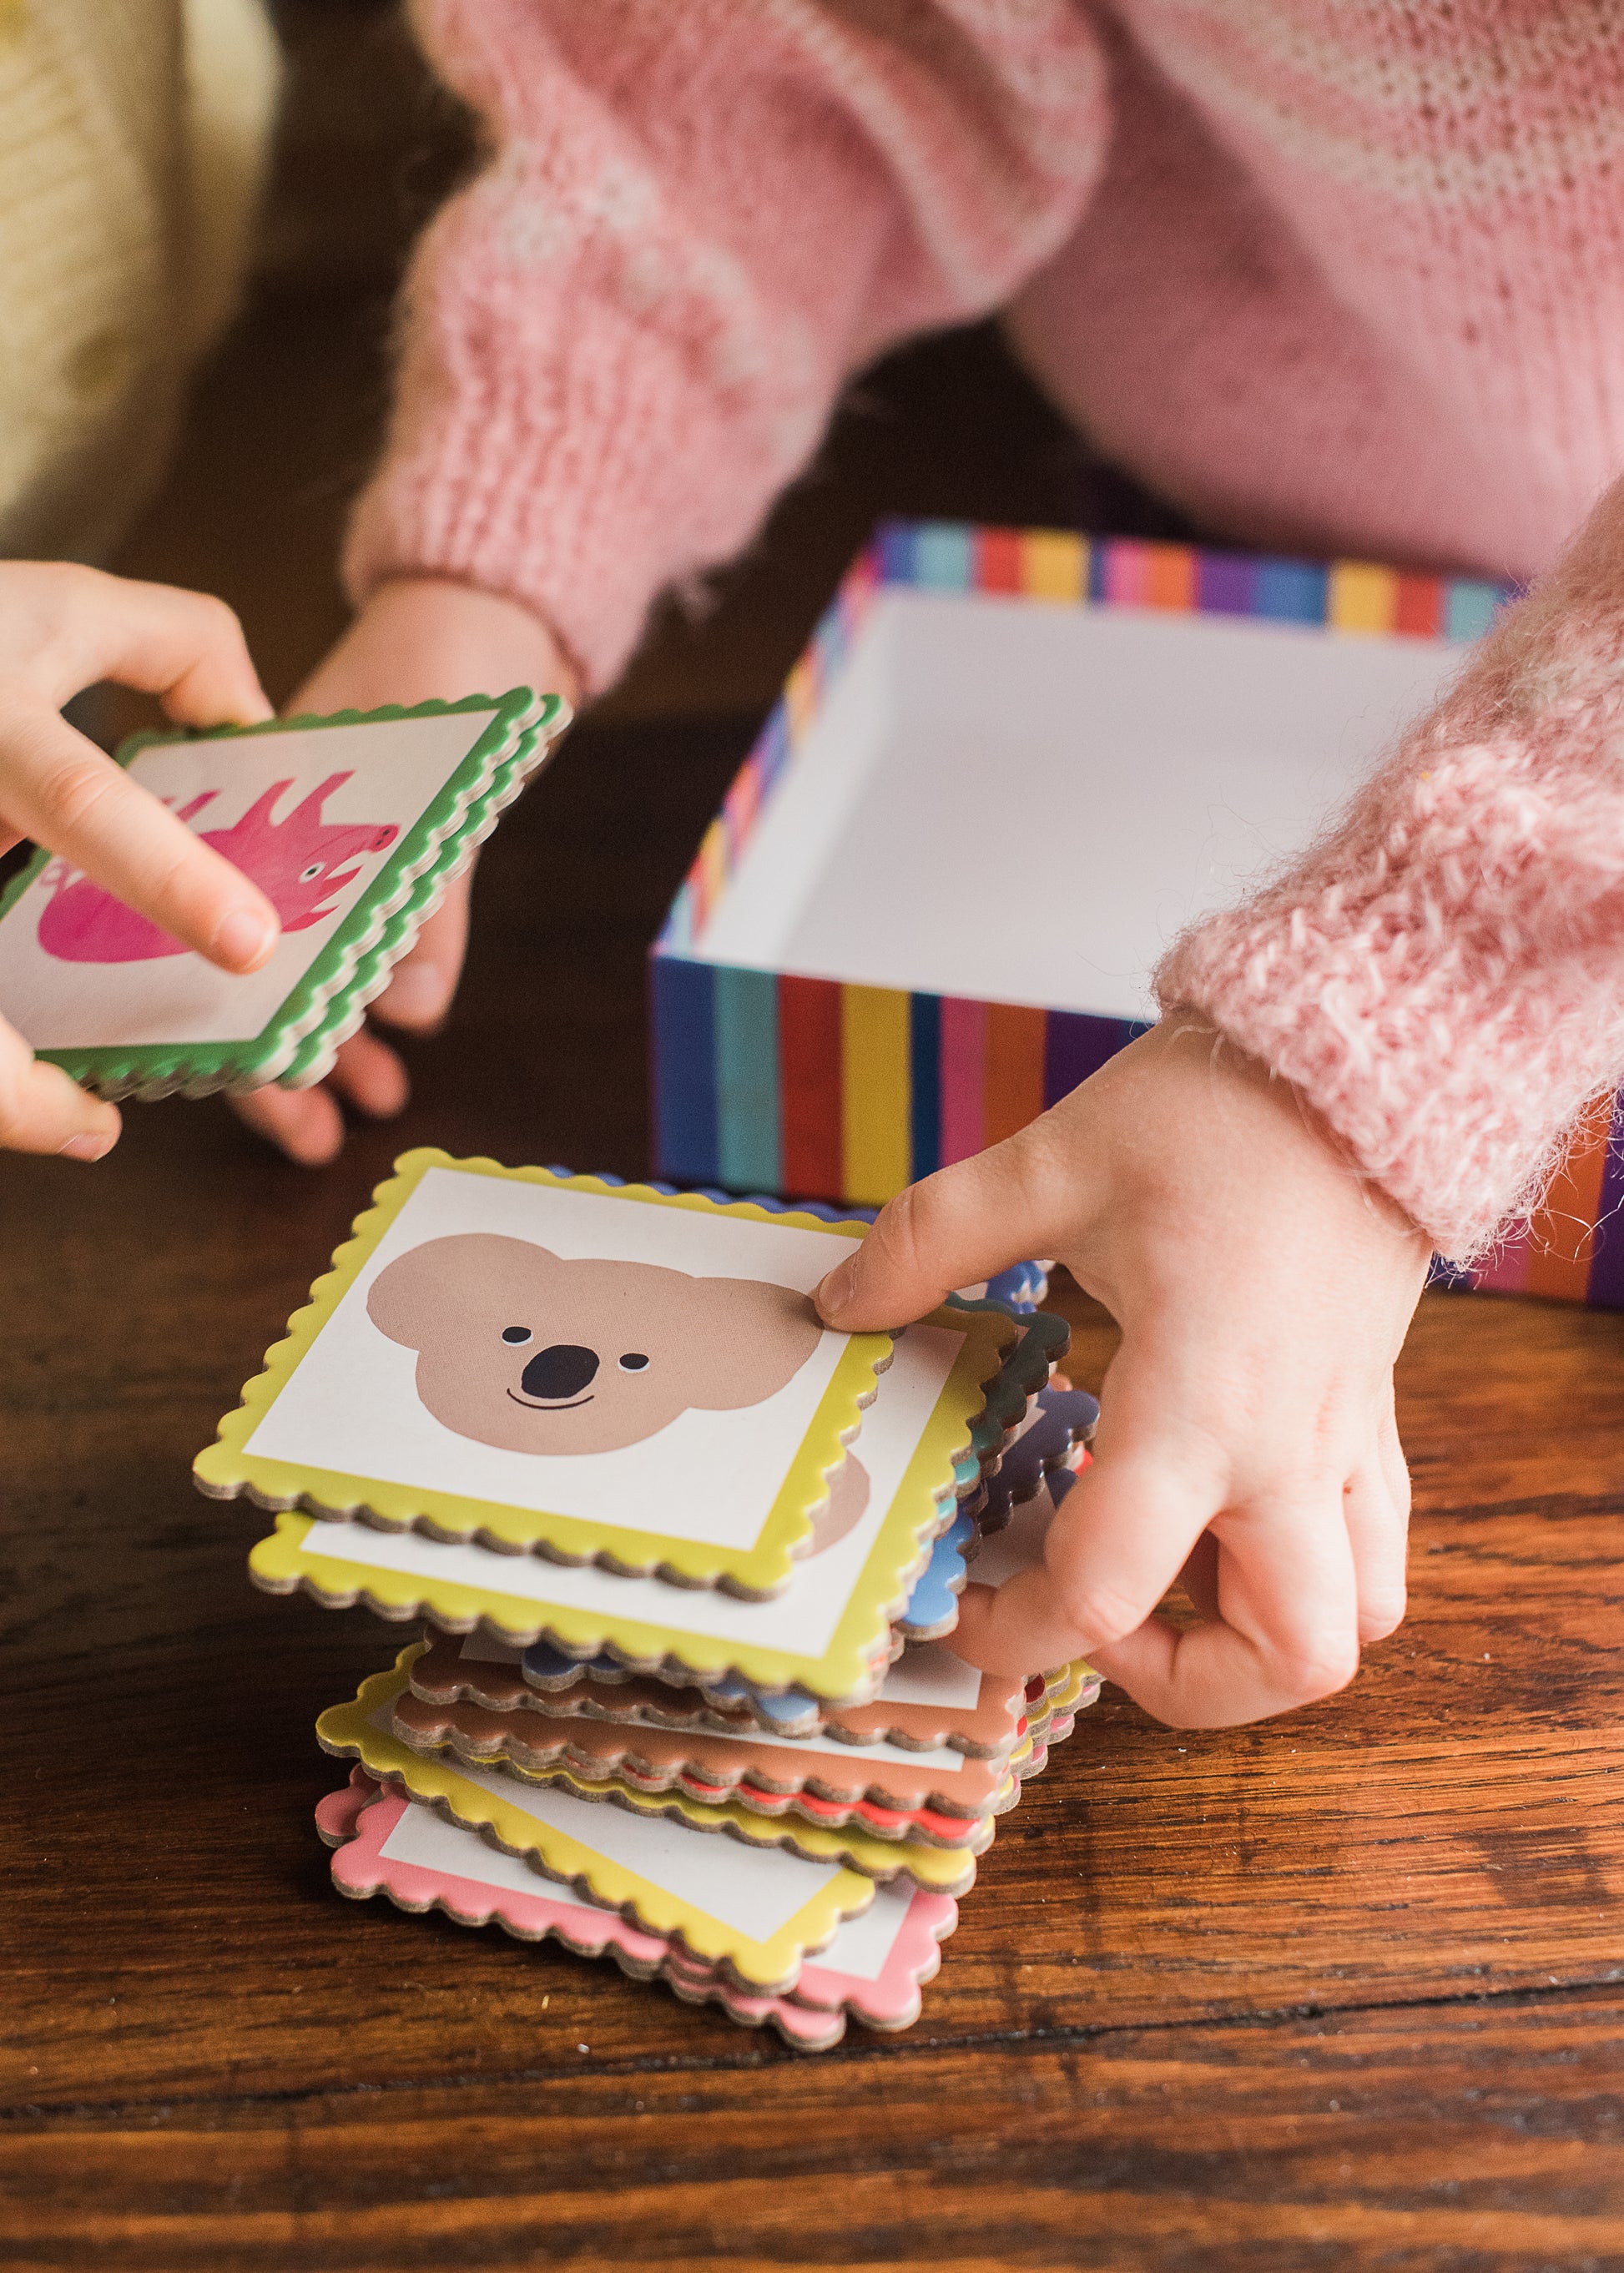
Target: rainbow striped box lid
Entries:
(1010, 764)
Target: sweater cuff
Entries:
(1440, 979)
(578, 470)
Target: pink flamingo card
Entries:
(352, 826)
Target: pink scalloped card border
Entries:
(892, 2000)
(357, 1820)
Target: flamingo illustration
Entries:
(299, 864)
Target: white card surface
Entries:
(755, 1890)
(294, 850)
(861, 1948)
(352, 1405)
(1161, 763)
(926, 1673)
(802, 1618)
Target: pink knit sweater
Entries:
(1346, 280)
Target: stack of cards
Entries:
(352, 826)
(687, 1561)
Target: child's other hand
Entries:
(1246, 1439)
(62, 628)
(417, 639)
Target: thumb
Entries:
(965, 1223)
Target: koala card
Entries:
(830, 1632)
(554, 1366)
(351, 826)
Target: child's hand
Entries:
(62, 628)
(417, 639)
(1246, 1437)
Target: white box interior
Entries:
(1012, 802)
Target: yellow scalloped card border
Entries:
(1075, 1677)
(848, 1671)
(939, 1869)
(227, 1468)
(349, 1731)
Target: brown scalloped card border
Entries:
(764, 1776)
(990, 1729)
(357, 1730)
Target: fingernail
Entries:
(417, 991)
(837, 1289)
(88, 1146)
(243, 939)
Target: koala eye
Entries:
(516, 1334)
(308, 875)
(632, 1361)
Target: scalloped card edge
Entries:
(228, 1469)
(296, 1046)
(349, 1731)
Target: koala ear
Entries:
(749, 1339)
(398, 1297)
(450, 1278)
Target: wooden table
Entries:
(1342, 1990)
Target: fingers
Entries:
(421, 987)
(306, 1124)
(61, 790)
(303, 1124)
(965, 1223)
(1199, 1577)
(1288, 1633)
(369, 1074)
(1390, 1453)
(42, 1111)
(1288, 1571)
(1377, 1537)
(1115, 1544)
(185, 647)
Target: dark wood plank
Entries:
(1331, 1991)
(1482, 2139)
(1449, 1825)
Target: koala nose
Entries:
(562, 1371)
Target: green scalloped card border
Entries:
(297, 1045)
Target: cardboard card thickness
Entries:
(928, 1699)
(828, 1632)
(1049, 1447)
(505, 1805)
(352, 825)
(731, 1906)
(872, 1969)
(543, 1364)
(940, 1796)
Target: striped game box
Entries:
(1009, 767)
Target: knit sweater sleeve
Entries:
(625, 336)
(1443, 976)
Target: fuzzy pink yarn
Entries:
(1443, 975)
(1345, 280)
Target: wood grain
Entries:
(1346, 1991)
(1182, 1949)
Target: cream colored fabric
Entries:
(133, 136)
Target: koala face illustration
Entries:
(523, 1349)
